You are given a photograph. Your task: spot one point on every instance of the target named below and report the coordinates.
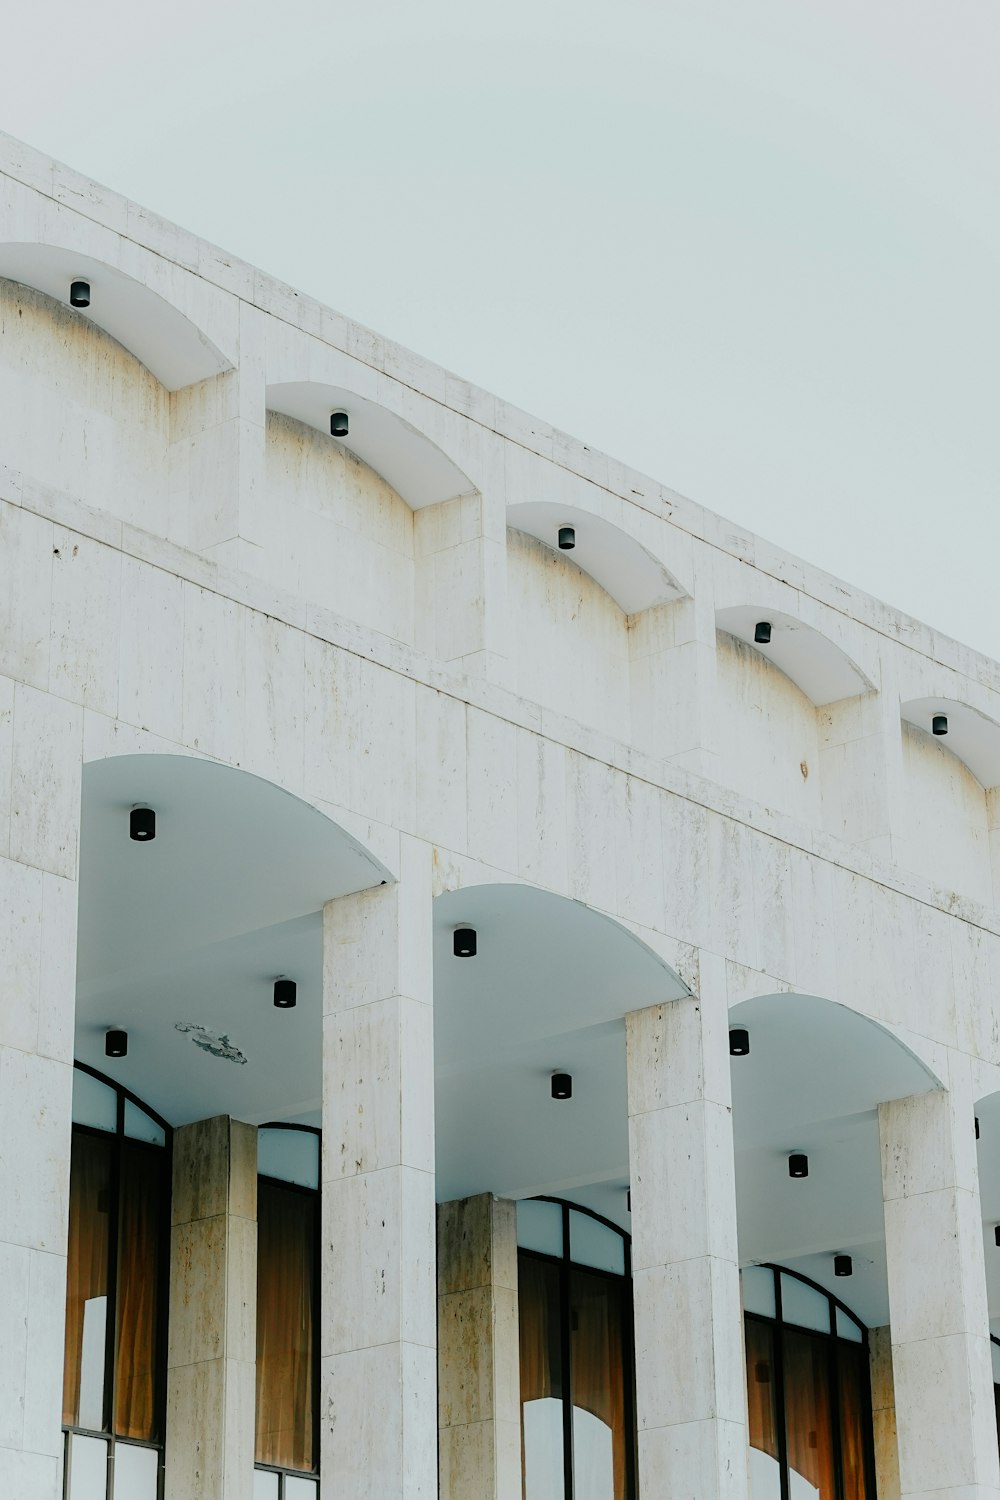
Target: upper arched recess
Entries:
(623, 567)
(163, 337)
(972, 736)
(415, 467)
(815, 663)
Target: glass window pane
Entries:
(539, 1227)
(598, 1384)
(541, 1378)
(803, 1305)
(136, 1472)
(286, 1313)
(140, 1127)
(87, 1281)
(88, 1468)
(848, 1329)
(853, 1385)
(289, 1155)
(265, 1485)
(594, 1244)
(808, 1428)
(141, 1195)
(297, 1487)
(758, 1291)
(94, 1103)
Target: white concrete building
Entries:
(373, 704)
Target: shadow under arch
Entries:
(972, 736)
(180, 940)
(162, 335)
(615, 559)
(816, 664)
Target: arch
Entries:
(167, 340)
(972, 736)
(406, 458)
(624, 568)
(817, 665)
(180, 940)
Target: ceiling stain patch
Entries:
(211, 1041)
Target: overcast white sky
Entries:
(749, 246)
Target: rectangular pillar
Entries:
(690, 1394)
(883, 1414)
(478, 1366)
(379, 1309)
(212, 1332)
(942, 1372)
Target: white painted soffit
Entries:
(972, 736)
(164, 339)
(823, 671)
(621, 565)
(419, 472)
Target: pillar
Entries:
(883, 1414)
(690, 1395)
(461, 584)
(942, 1372)
(379, 1312)
(212, 1333)
(478, 1373)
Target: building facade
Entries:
(500, 967)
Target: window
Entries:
(287, 1442)
(116, 1294)
(577, 1396)
(808, 1391)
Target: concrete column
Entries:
(461, 584)
(379, 1311)
(212, 1335)
(883, 1414)
(942, 1372)
(40, 756)
(690, 1376)
(478, 1374)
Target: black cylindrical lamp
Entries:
(798, 1164)
(762, 633)
(739, 1041)
(843, 1265)
(562, 1086)
(464, 942)
(79, 293)
(115, 1043)
(284, 993)
(939, 724)
(339, 423)
(567, 538)
(996, 1234)
(142, 825)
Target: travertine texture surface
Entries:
(884, 1414)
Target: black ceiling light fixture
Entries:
(284, 993)
(464, 942)
(843, 1265)
(762, 633)
(977, 1127)
(142, 825)
(562, 1086)
(79, 294)
(996, 1234)
(739, 1041)
(567, 538)
(939, 724)
(798, 1164)
(339, 423)
(115, 1043)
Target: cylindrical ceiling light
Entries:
(996, 1234)
(798, 1164)
(284, 993)
(79, 293)
(464, 942)
(739, 1041)
(115, 1043)
(339, 423)
(567, 538)
(843, 1265)
(939, 724)
(142, 825)
(562, 1086)
(762, 633)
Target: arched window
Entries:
(577, 1389)
(808, 1391)
(114, 1374)
(288, 1245)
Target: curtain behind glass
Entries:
(286, 1312)
(87, 1281)
(598, 1385)
(808, 1426)
(541, 1379)
(140, 1228)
